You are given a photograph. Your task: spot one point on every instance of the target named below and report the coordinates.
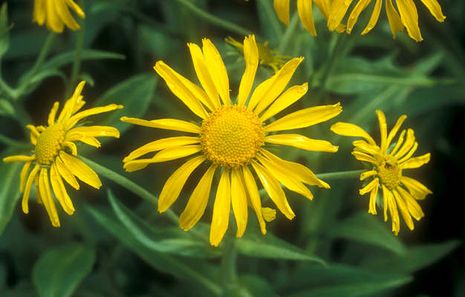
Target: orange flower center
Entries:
(49, 144)
(389, 172)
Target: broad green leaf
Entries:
(368, 229)
(253, 285)
(134, 93)
(59, 271)
(4, 30)
(9, 191)
(161, 240)
(414, 258)
(188, 269)
(271, 247)
(6, 107)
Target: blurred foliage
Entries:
(118, 245)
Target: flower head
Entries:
(388, 162)
(231, 138)
(402, 14)
(54, 157)
(56, 14)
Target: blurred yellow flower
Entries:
(267, 56)
(231, 140)
(56, 14)
(54, 158)
(389, 162)
(405, 15)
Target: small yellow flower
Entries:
(268, 57)
(56, 14)
(305, 11)
(405, 15)
(389, 161)
(54, 158)
(229, 138)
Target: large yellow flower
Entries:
(56, 14)
(305, 11)
(54, 157)
(389, 161)
(230, 138)
(405, 15)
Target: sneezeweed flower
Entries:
(55, 155)
(388, 162)
(267, 56)
(56, 14)
(305, 12)
(405, 16)
(231, 139)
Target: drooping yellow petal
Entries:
(27, 188)
(95, 131)
(179, 89)
(348, 129)
(251, 64)
(24, 175)
(285, 100)
(217, 70)
(305, 117)
(302, 142)
(366, 174)
(39, 12)
(395, 23)
(254, 197)
(356, 11)
(369, 187)
(412, 205)
(66, 174)
(282, 10)
(338, 11)
(274, 190)
(167, 124)
(393, 211)
(46, 197)
(365, 147)
(81, 170)
(175, 183)
(89, 112)
(195, 208)
(60, 191)
(239, 201)
(221, 209)
(374, 17)
(65, 15)
(364, 157)
(417, 189)
(403, 210)
(409, 16)
(373, 198)
(19, 158)
(435, 9)
(52, 19)
(305, 11)
(416, 162)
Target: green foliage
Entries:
(9, 179)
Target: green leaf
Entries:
(271, 247)
(415, 258)
(59, 271)
(9, 191)
(365, 228)
(86, 54)
(253, 285)
(6, 107)
(135, 94)
(4, 30)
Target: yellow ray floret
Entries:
(56, 14)
(388, 185)
(230, 140)
(54, 160)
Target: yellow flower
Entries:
(404, 16)
(389, 161)
(268, 57)
(56, 14)
(229, 138)
(305, 11)
(54, 158)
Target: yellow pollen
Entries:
(231, 136)
(389, 172)
(49, 144)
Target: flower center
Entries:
(389, 172)
(49, 144)
(232, 136)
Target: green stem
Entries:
(213, 19)
(129, 185)
(229, 267)
(340, 174)
(77, 60)
(287, 36)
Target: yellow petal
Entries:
(167, 124)
(417, 189)
(282, 10)
(27, 188)
(39, 12)
(66, 174)
(71, 147)
(369, 187)
(409, 154)
(95, 131)
(60, 191)
(403, 210)
(287, 98)
(23, 175)
(65, 15)
(76, 8)
(305, 11)
(364, 157)
(254, 197)
(365, 147)
(53, 113)
(409, 16)
(239, 201)
(269, 214)
(19, 158)
(374, 17)
(81, 170)
(394, 212)
(46, 197)
(195, 208)
(406, 146)
(175, 183)
(302, 142)
(395, 129)
(383, 129)
(367, 174)
(412, 205)
(305, 117)
(221, 209)
(348, 129)
(73, 103)
(373, 198)
(274, 190)
(52, 19)
(395, 23)
(416, 162)
(354, 15)
(338, 11)
(92, 141)
(398, 143)
(179, 89)
(217, 69)
(251, 64)
(89, 112)
(435, 9)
